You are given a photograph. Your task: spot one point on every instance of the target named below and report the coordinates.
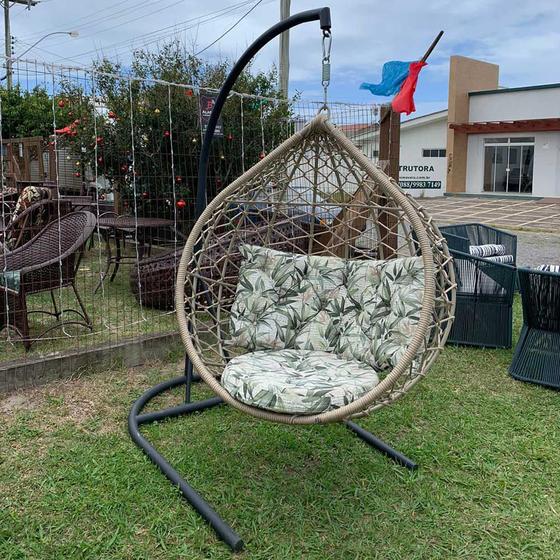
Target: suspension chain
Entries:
(326, 73)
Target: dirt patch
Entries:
(79, 401)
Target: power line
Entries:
(159, 37)
(160, 9)
(197, 24)
(162, 32)
(90, 19)
(228, 30)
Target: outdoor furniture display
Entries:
(29, 221)
(481, 240)
(293, 329)
(116, 227)
(80, 202)
(46, 263)
(483, 312)
(537, 355)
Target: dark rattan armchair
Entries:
(537, 354)
(22, 227)
(155, 277)
(483, 313)
(46, 263)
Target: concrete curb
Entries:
(23, 373)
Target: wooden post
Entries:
(389, 160)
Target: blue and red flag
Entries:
(398, 78)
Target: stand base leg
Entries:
(135, 419)
(381, 446)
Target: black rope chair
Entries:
(537, 354)
(483, 312)
(460, 237)
(483, 316)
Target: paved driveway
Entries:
(500, 212)
(537, 248)
(540, 245)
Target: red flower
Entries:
(112, 115)
(167, 134)
(181, 204)
(178, 179)
(189, 92)
(61, 103)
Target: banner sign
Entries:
(419, 176)
(420, 184)
(207, 102)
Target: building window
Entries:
(375, 153)
(433, 152)
(508, 164)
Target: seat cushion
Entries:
(297, 381)
(488, 250)
(503, 259)
(360, 309)
(549, 268)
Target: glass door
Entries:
(513, 170)
(508, 165)
(527, 157)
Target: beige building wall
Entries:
(465, 75)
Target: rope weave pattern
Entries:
(317, 193)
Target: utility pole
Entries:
(8, 34)
(284, 58)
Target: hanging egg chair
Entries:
(310, 290)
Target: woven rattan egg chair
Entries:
(283, 311)
(310, 290)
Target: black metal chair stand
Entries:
(537, 355)
(136, 419)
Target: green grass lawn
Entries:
(73, 485)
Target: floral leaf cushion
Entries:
(297, 381)
(362, 310)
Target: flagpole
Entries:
(432, 47)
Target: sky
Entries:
(522, 37)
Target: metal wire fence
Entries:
(98, 186)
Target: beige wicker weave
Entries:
(351, 210)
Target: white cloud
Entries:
(521, 36)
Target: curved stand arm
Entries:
(321, 14)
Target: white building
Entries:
(491, 140)
(516, 149)
(423, 163)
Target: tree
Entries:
(30, 113)
(144, 136)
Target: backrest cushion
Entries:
(365, 310)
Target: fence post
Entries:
(389, 160)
